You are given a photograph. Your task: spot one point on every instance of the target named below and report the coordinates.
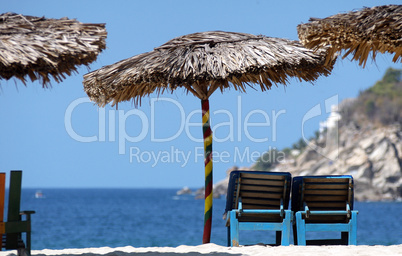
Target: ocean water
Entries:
(80, 218)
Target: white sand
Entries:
(216, 250)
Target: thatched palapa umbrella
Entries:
(201, 63)
(41, 48)
(376, 29)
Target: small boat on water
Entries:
(39, 194)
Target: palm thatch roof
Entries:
(376, 29)
(204, 62)
(41, 48)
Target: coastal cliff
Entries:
(362, 137)
(371, 156)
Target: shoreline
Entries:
(217, 250)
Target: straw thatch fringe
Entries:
(370, 30)
(204, 62)
(41, 48)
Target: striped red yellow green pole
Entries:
(208, 171)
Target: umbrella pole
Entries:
(208, 171)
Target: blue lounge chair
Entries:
(324, 203)
(258, 201)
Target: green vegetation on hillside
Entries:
(380, 104)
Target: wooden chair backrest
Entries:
(322, 194)
(2, 195)
(14, 201)
(260, 191)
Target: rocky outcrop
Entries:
(184, 191)
(373, 156)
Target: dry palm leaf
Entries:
(41, 48)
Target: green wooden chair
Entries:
(258, 201)
(322, 204)
(11, 230)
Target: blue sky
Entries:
(60, 139)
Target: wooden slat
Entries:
(262, 176)
(244, 194)
(258, 206)
(247, 217)
(326, 192)
(262, 188)
(326, 180)
(326, 186)
(2, 196)
(326, 219)
(262, 182)
(14, 201)
(323, 205)
(260, 201)
(249, 201)
(325, 198)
